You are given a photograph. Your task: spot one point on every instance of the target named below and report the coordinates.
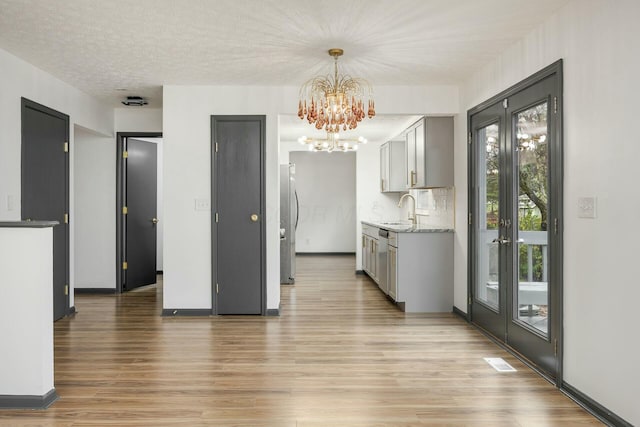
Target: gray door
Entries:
(45, 183)
(238, 238)
(516, 231)
(141, 191)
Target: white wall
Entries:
(21, 79)
(326, 186)
(187, 140)
(95, 210)
(138, 119)
(598, 41)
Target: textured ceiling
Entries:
(101, 46)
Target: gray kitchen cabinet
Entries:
(424, 272)
(429, 153)
(392, 282)
(370, 251)
(392, 167)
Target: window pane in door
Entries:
(532, 157)
(488, 281)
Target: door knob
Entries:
(155, 220)
(254, 217)
(502, 240)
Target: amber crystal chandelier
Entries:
(333, 142)
(335, 103)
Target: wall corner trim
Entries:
(274, 311)
(10, 401)
(460, 313)
(593, 407)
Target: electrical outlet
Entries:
(203, 205)
(586, 207)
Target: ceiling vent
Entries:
(135, 101)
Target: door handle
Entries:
(155, 220)
(413, 175)
(501, 240)
(254, 217)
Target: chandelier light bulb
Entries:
(335, 102)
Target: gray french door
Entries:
(238, 223)
(515, 190)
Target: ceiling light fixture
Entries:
(332, 142)
(135, 101)
(335, 103)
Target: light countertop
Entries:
(407, 227)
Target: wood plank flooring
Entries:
(340, 354)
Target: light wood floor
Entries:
(340, 354)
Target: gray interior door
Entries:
(140, 221)
(45, 184)
(238, 223)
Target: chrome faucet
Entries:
(412, 213)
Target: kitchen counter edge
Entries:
(402, 228)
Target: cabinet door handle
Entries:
(413, 178)
(363, 241)
(382, 185)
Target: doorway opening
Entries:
(139, 201)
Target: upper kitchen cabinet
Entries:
(429, 153)
(392, 167)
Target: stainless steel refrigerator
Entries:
(289, 213)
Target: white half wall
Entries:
(95, 210)
(187, 114)
(326, 186)
(595, 39)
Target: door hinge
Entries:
(555, 104)
(555, 225)
(216, 216)
(470, 216)
(470, 300)
(66, 147)
(470, 138)
(66, 289)
(555, 347)
(125, 210)
(66, 218)
(217, 288)
(216, 147)
(125, 265)
(505, 103)
(125, 154)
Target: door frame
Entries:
(214, 208)
(27, 103)
(121, 182)
(557, 197)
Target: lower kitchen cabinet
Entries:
(392, 262)
(422, 272)
(370, 252)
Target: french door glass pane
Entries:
(488, 283)
(532, 228)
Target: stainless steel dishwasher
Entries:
(383, 280)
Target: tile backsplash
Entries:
(435, 206)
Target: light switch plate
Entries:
(586, 207)
(11, 202)
(203, 205)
